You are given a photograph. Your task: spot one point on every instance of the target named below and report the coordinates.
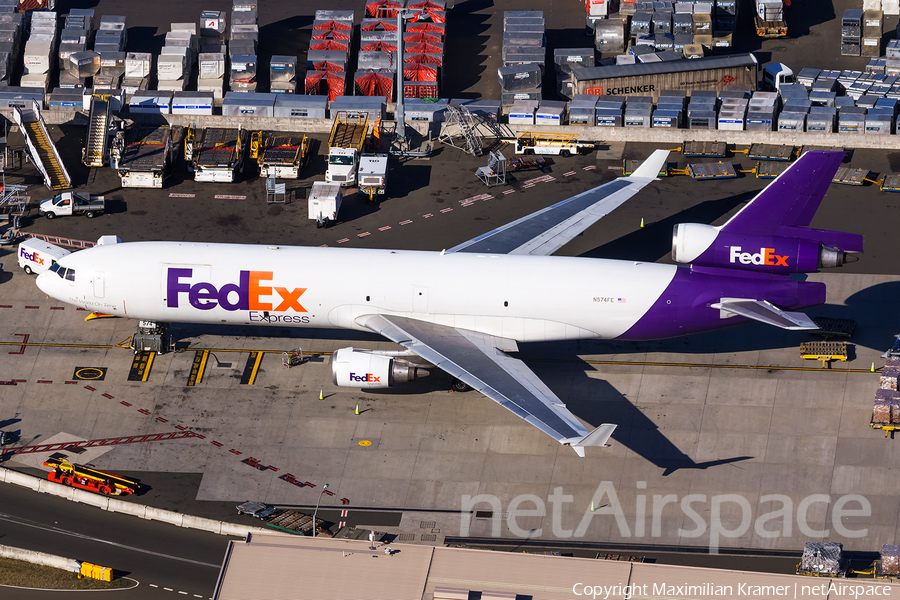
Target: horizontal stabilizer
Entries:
(597, 437)
(765, 312)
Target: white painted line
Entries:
(509, 192)
(169, 589)
(174, 195)
(446, 210)
(589, 167)
(229, 197)
(385, 228)
(550, 179)
(153, 585)
(428, 215)
(343, 240)
(364, 234)
(569, 173)
(405, 222)
(185, 593)
(197, 596)
(525, 187)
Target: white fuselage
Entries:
(526, 298)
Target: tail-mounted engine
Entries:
(799, 250)
(352, 367)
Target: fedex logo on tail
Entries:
(249, 293)
(32, 256)
(765, 256)
(367, 378)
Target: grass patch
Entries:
(25, 574)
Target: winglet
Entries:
(650, 168)
(597, 437)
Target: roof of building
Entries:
(301, 568)
(669, 66)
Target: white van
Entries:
(36, 256)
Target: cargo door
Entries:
(99, 285)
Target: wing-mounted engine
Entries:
(794, 250)
(352, 367)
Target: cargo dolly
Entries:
(889, 183)
(824, 352)
(525, 163)
(629, 166)
(704, 149)
(771, 152)
(711, 170)
(850, 176)
(831, 327)
(769, 169)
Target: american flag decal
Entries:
(620, 300)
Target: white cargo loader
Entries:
(37, 256)
(324, 202)
(373, 175)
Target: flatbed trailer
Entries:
(770, 169)
(215, 154)
(286, 154)
(824, 352)
(86, 478)
(629, 166)
(889, 183)
(704, 149)
(816, 148)
(771, 152)
(294, 521)
(711, 170)
(832, 327)
(143, 155)
(850, 176)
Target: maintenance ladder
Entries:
(42, 149)
(95, 148)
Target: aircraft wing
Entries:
(544, 232)
(481, 362)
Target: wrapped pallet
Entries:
(889, 376)
(881, 411)
(890, 560)
(822, 558)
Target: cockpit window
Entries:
(54, 267)
(70, 274)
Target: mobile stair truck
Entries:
(373, 170)
(324, 203)
(40, 146)
(143, 155)
(348, 136)
(73, 203)
(215, 154)
(96, 149)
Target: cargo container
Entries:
(712, 73)
(301, 106)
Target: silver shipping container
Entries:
(37, 57)
(625, 59)
(377, 60)
(282, 68)
(852, 120)
(315, 58)
(522, 112)
(519, 77)
(609, 117)
(609, 36)
(567, 59)
(525, 38)
(83, 64)
(510, 97)
(86, 14)
(66, 99)
(821, 98)
(417, 109)
(582, 109)
(489, 108)
(212, 23)
(192, 103)
(68, 81)
(807, 76)
(704, 119)
(242, 48)
(663, 117)
(150, 102)
(879, 121)
(638, 117)
(244, 104)
(731, 120)
(374, 106)
(518, 56)
(245, 18)
(334, 15)
(761, 120)
(301, 107)
(74, 36)
(551, 112)
(170, 67)
(138, 64)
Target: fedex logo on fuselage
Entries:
(765, 256)
(367, 378)
(32, 256)
(249, 293)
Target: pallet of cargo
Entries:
(850, 176)
(824, 352)
(831, 327)
(629, 166)
(771, 152)
(889, 183)
(805, 149)
(704, 149)
(711, 170)
(770, 169)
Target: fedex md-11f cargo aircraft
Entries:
(514, 290)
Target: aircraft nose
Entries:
(44, 283)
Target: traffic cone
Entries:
(321, 395)
(592, 506)
(356, 412)
(642, 222)
(873, 368)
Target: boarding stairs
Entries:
(95, 148)
(43, 151)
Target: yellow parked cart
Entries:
(825, 352)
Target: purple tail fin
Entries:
(791, 199)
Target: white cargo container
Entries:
(37, 56)
(212, 65)
(324, 202)
(138, 64)
(170, 67)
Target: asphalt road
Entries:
(157, 555)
